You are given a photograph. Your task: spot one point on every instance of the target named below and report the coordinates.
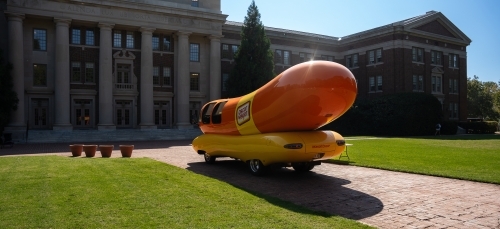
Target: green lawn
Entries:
(64, 192)
(469, 157)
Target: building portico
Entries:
(115, 64)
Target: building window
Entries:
(194, 82)
(76, 72)
(155, 43)
(436, 58)
(418, 83)
(225, 52)
(130, 40)
(166, 76)
(327, 58)
(89, 73)
(417, 54)
(352, 61)
(194, 3)
(235, 49)
(225, 78)
(39, 75)
(282, 57)
(75, 36)
(453, 61)
(436, 84)
(453, 110)
(117, 39)
(167, 44)
(156, 76)
(453, 86)
(375, 56)
(305, 57)
(375, 84)
(40, 39)
(194, 52)
(89, 37)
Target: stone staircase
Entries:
(87, 136)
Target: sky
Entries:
(477, 19)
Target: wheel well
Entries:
(201, 152)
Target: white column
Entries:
(182, 85)
(17, 124)
(61, 87)
(105, 78)
(146, 93)
(215, 74)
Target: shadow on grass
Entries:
(299, 192)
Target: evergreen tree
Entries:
(254, 64)
(8, 97)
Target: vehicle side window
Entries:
(217, 113)
(205, 119)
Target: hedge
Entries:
(487, 127)
(402, 114)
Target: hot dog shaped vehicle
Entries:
(276, 124)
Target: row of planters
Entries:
(106, 150)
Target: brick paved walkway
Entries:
(380, 198)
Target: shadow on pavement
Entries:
(39, 148)
(318, 192)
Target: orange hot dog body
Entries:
(304, 97)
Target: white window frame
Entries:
(417, 54)
(436, 57)
(418, 83)
(437, 84)
(453, 60)
(375, 84)
(156, 76)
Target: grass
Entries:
(64, 192)
(468, 157)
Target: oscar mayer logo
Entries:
(243, 113)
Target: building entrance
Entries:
(39, 114)
(162, 114)
(123, 114)
(83, 114)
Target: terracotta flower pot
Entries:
(106, 150)
(126, 150)
(76, 149)
(89, 150)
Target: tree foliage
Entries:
(483, 99)
(8, 97)
(254, 64)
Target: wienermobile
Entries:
(277, 123)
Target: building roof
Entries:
(425, 18)
(287, 31)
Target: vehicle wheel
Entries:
(302, 166)
(209, 159)
(256, 167)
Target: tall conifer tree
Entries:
(254, 63)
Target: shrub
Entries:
(487, 127)
(403, 114)
(449, 127)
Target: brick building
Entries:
(426, 53)
(84, 64)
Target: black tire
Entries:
(256, 167)
(209, 159)
(302, 166)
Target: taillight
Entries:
(294, 146)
